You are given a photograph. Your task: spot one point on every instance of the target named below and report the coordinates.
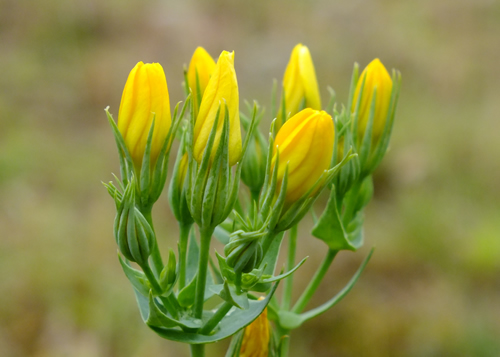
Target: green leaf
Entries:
(136, 277)
(290, 320)
(192, 257)
(271, 257)
(331, 230)
(234, 321)
(157, 317)
(333, 301)
(221, 235)
(284, 275)
(186, 295)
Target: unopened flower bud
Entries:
(134, 235)
(305, 144)
(374, 76)
(253, 171)
(199, 72)
(244, 251)
(299, 84)
(145, 96)
(222, 90)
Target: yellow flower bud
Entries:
(374, 76)
(299, 83)
(255, 341)
(145, 95)
(222, 89)
(203, 65)
(305, 143)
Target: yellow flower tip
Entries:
(374, 76)
(256, 337)
(144, 97)
(300, 83)
(222, 89)
(203, 65)
(305, 144)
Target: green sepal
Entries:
(126, 163)
(383, 142)
(198, 189)
(290, 320)
(159, 173)
(177, 190)
(367, 140)
(144, 178)
(269, 191)
(234, 321)
(223, 179)
(267, 179)
(351, 170)
(277, 210)
(115, 194)
(330, 107)
(136, 277)
(216, 186)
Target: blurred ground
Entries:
(433, 285)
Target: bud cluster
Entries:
(307, 151)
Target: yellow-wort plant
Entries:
(189, 295)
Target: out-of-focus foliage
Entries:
(431, 289)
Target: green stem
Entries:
(216, 318)
(199, 299)
(350, 202)
(198, 350)
(155, 254)
(316, 280)
(152, 278)
(255, 195)
(167, 301)
(292, 247)
(183, 243)
(284, 341)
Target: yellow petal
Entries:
(305, 143)
(375, 76)
(222, 89)
(145, 96)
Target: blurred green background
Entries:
(433, 285)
